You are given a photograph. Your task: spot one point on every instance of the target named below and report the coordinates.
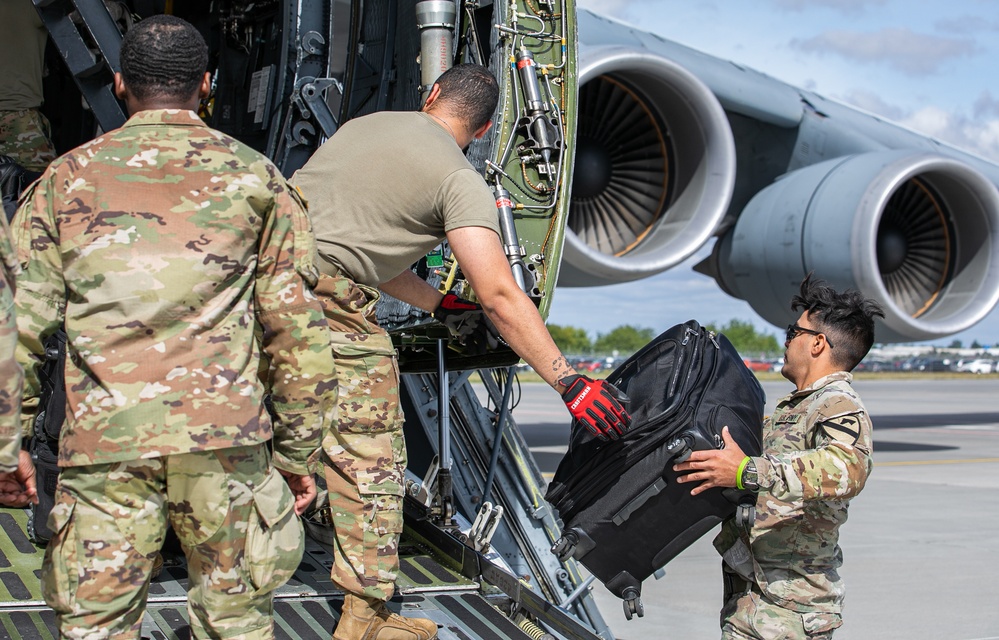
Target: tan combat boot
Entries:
(369, 619)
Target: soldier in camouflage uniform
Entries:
(385, 190)
(24, 131)
(181, 264)
(781, 571)
(17, 478)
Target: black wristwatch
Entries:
(750, 477)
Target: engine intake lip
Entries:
(917, 231)
(956, 219)
(687, 178)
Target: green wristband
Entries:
(738, 473)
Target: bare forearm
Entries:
(520, 324)
(410, 288)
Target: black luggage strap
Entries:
(745, 516)
(52, 399)
(733, 584)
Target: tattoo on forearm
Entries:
(560, 368)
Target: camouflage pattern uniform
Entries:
(818, 455)
(24, 136)
(366, 455)
(11, 375)
(181, 263)
(24, 131)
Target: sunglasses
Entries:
(793, 330)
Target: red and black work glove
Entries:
(467, 323)
(597, 405)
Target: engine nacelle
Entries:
(916, 231)
(654, 168)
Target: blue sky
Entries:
(929, 65)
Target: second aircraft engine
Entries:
(917, 231)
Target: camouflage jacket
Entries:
(817, 455)
(11, 376)
(182, 264)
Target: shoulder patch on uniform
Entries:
(838, 403)
(844, 428)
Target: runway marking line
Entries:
(907, 463)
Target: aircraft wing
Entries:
(675, 147)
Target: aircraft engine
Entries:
(654, 168)
(916, 231)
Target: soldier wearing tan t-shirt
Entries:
(382, 192)
(24, 131)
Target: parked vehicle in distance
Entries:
(979, 365)
(874, 364)
(927, 364)
(758, 365)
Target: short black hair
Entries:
(163, 56)
(469, 91)
(847, 316)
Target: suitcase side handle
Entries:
(636, 503)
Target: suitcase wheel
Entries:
(633, 604)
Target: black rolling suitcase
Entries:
(624, 515)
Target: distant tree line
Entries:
(747, 340)
(957, 344)
(627, 339)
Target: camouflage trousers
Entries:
(365, 453)
(24, 135)
(11, 375)
(749, 615)
(232, 512)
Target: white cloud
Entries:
(986, 106)
(849, 7)
(901, 48)
(966, 24)
(615, 8)
(980, 136)
(977, 132)
(870, 101)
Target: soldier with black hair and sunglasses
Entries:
(780, 567)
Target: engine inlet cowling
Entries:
(918, 232)
(654, 168)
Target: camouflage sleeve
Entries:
(295, 336)
(11, 374)
(836, 468)
(40, 297)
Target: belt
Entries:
(330, 268)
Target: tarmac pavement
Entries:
(920, 548)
